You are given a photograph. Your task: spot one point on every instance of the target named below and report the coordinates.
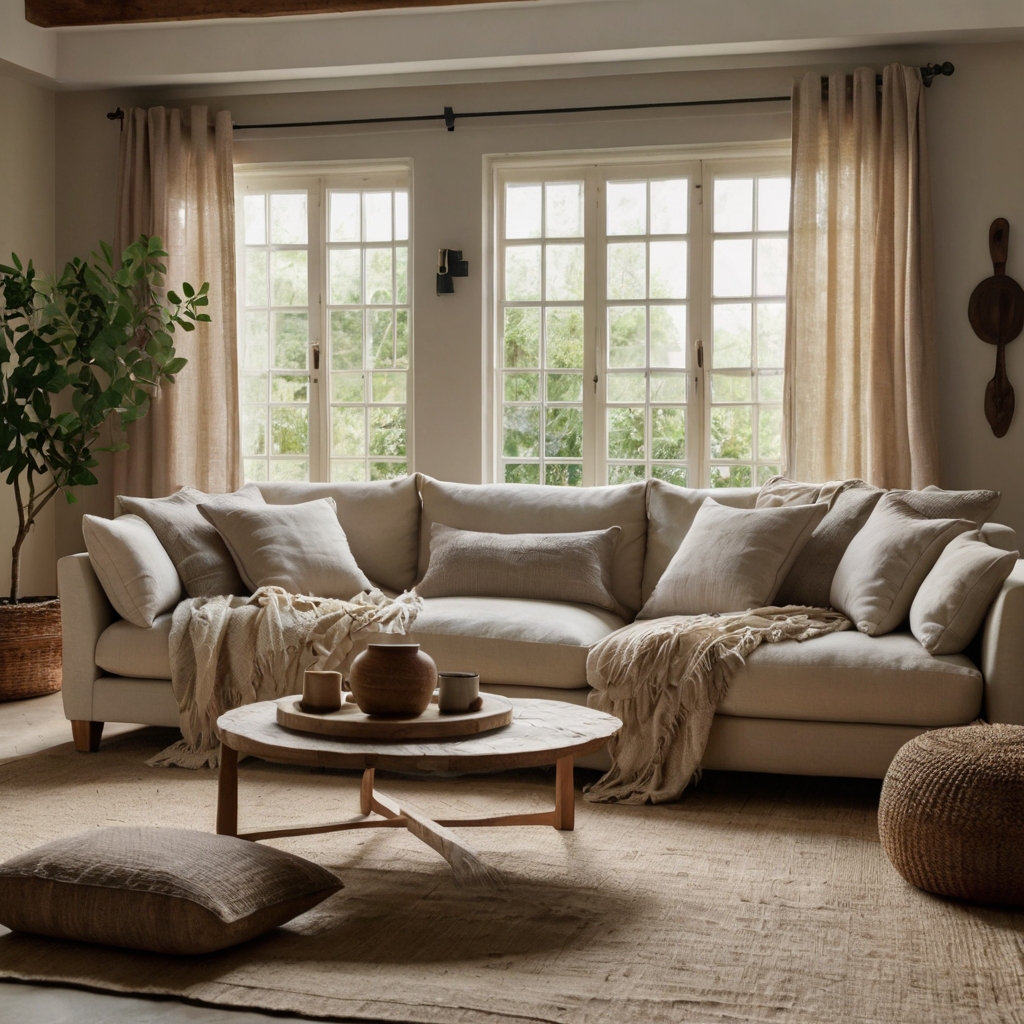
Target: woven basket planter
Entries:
(30, 648)
(951, 815)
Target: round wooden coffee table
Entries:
(542, 732)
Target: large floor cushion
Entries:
(527, 643)
(852, 677)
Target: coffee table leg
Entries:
(565, 795)
(366, 792)
(227, 792)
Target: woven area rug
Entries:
(756, 898)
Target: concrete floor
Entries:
(26, 727)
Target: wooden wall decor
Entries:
(65, 13)
(996, 312)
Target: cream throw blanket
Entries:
(230, 651)
(664, 679)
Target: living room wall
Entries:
(27, 127)
(977, 149)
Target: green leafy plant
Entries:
(77, 350)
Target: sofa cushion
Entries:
(852, 677)
(935, 503)
(381, 519)
(506, 640)
(670, 512)
(532, 508)
(127, 650)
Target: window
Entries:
(640, 322)
(324, 326)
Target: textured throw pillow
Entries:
(780, 490)
(809, 581)
(732, 559)
(159, 889)
(974, 506)
(300, 548)
(575, 567)
(136, 574)
(194, 546)
(886, 563)
(955, 596)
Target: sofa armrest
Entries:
(85, 613)
(1002, 652)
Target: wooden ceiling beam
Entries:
(68, 13)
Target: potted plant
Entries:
(76, 351)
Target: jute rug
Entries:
(756, 898)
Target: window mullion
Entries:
(594, 443)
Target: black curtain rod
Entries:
(928, 72)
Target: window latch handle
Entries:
(316, 356)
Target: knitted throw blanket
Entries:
(230, 651)
(664, 679)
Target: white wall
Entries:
(27, 228)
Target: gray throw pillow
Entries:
(975, 506)
(574, 567)
(203, 562)
(732, 559)
(300, 548)
(954, 599)
(158, 889)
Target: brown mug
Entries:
(321, 692)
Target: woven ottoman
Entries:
(951, 815)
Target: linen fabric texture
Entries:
(195, 547)
(300, 548)
(935, 503)
(164, 890)
(136, 574)
(953, 600)
(886, 563)
(574, 567)
(732, 559)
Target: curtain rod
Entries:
(928, 72)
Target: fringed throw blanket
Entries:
(664, 679)
(230, 651)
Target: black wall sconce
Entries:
(450, 264)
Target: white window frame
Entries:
(316, 180)
(696, 162)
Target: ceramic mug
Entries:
(458, 692)
(321, 691)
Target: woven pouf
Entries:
(951, 815)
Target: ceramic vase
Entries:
(393, 679)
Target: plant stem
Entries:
(23, 527)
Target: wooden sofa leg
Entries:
(87, 736)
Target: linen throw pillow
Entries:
(574, 567)
(780, 490)
(954, 599)
(203, 562)
(300, 548)
(159, 889)
(732, 559)
(935, 503)
(136, 574)
(886, 563)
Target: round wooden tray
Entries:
(350, 723)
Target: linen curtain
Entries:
(861, 389)
(176, 180)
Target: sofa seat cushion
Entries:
(852, 677)
(139, 651)
(512, 641)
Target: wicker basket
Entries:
(30, 648)
(951, 815)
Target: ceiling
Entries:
(382, 47)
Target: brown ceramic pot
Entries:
(393, 679)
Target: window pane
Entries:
(378, 276)
(770, 387)
(627, 270)
(257, 334)
(522, 473)
(769, 432)
(401, 274)
(254, 208)
(522, 211)
(289, 469)
(347, 471)
(734, 204)
(289, 387)
(668, 387)
(390, 470)
(388, 387)
(387, 430)
(730, 476)
(627, 387)
(626, 433)
(402, 339)
(731, 387)
(773, 204)
(291, 340)
(381, 338)
(255, 469)
(627, 473)
(765, 473)
(346, 339)
(731, 344)
(254, 430)
(564, 348)
(668, 434)
(254, 387)
(627, 207)
(345, 225)
(376, 216)
(255, 277)
(288, 278)
(346, 269)
(563, 433)
(563, 474)
(522, 273)
(732, 266)
(288, 224)
(668, 270)
(668, 336)
(669, 206)
(670, 474)
(522, 387)
(348, 431)
(564, 210)
(771, 333)
(732, 432)
(564, 387)
(289, 431)
(522, 337)
(564, 273)
(627, 336)
(348, 387)
(771, 266)
(521, 433)
(401, 216)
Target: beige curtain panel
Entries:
(176, 180)
(861, 390)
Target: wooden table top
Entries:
(542, 731)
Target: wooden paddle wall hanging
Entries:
(996, 312)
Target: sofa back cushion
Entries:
(533, 508)
(380, 518)
(671, 511)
